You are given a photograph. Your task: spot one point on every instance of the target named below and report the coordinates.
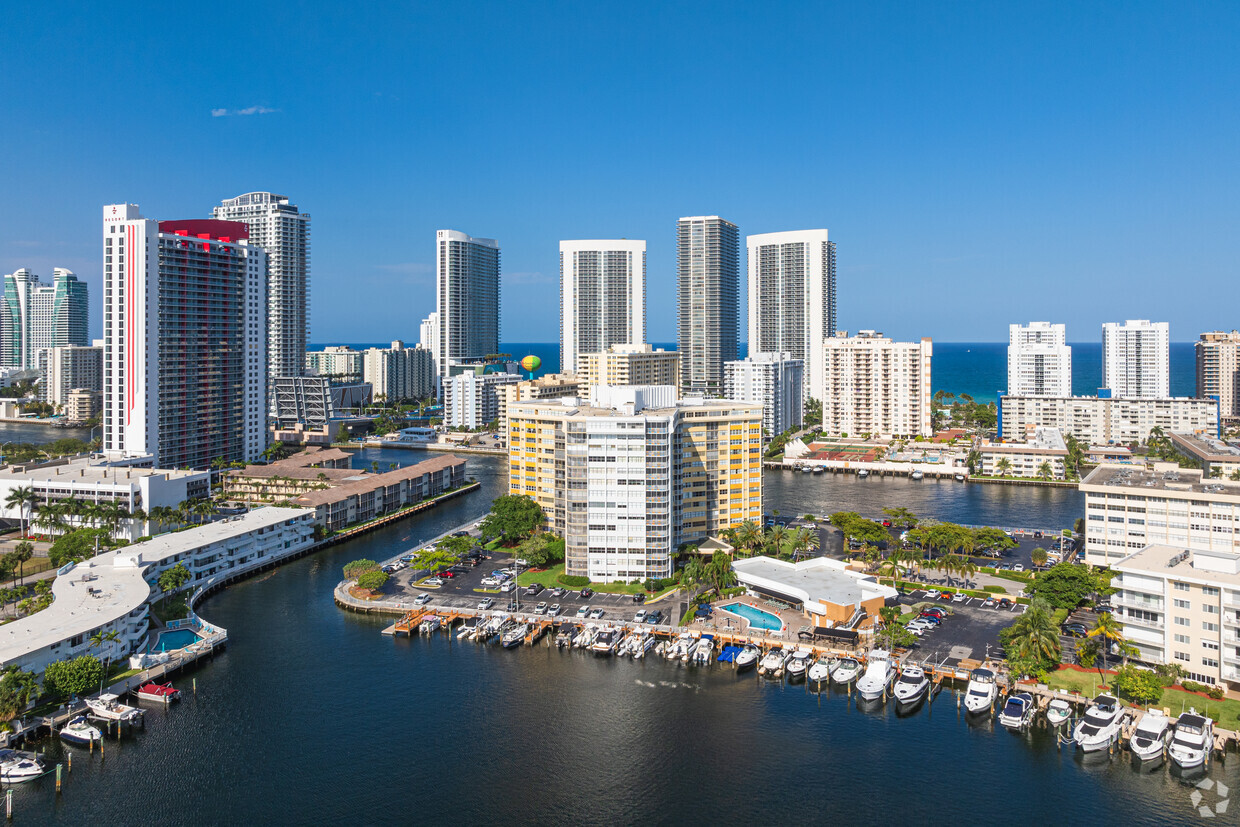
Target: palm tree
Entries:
(692, 574)
(1044, 470)
(806, 540)
(966, 568)
(1035, 635)
(204, 509)
(1109, 630)
(22, 552)
(97, 640)
(893, 565)
(748, 536)
(775, 539)
(24, 499)
(1003, 466)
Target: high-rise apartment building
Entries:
(1039, 360)
(339, 362)
(773, 380)
(36, 316)
(400, 372)
(792, 295)
(71, 368)
(629, 365)
(602, 297)
(428, 334)
(185, 350)
(466, 298)
(471, 399)
(1135, 359)
(632, 473)
(707, 301)
(872, 385)
(283, 231)
(1218, 371)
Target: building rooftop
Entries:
(362, 483)
(1164, 476)
(1214, 568)
(819, 580)
(1206, 447)
(86, 471)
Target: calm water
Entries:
(39, 434)
(312, 716)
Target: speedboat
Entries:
(911, 686)
(586, 638)
(642, 641)
(18, 765)
(161, 693)
(1058, 711)
(1100, 727)
(820, 672)
(880, 673)
(1193, 740)
(863, 473)
(747, 657)
(1018, 711)
(679, 649)
(80, 732)
(845, 670)
(704, 651)
(515, 636)
(605, 642)
(564, 637)
(1151, 736)
(982, 691)
(108, 707)
(917, 475)
(959, 477)
(467, 628)
(798, 664)
(772, 664)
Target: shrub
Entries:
(354, 570)
(1216, 692)
(373, 580)
(995, 589)
(1193, 686)
(575, 580)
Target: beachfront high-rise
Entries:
(400, 372)
(1039, 360)
(466, 298)
(1218, 371)
(185, 350)
(283, 231)
(35, 316)
(602, 297)
(773, 380)
(707, 301)
(792, 295)
(872, 385)
(1135, 359)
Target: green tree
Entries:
(22, 553)
(813, 412)
(24, 499)
(1045, 471)
(901, 517)
(1003, 466)
(694, 573)
(357, 568)
(513, 517)
(1038, 557)
(1064, 586)
(1106, 628)
(173, 579)
(1032, 641)
(373, 580)
(73, 677)
(78, 545)
(17, 689)
(1137, 685)
(458, 546)
(859, 529)
(719, 572)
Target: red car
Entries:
(447, 573)
(886, 523)
(934, 610)
(946, 596)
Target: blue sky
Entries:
(976, 163)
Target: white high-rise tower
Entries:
(1136, 359)
(1039, 360)
(707, 301)
(602, 297)
(466, 298)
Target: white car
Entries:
(989, 603)
(1018, 567)
(432, 581)
(489, 581)
(640, 617)
(960, 597)
(596, 614)
(553, 610)
(486, 603)
(507, 587)
(541, 608)
(584, 611)
(422, 599)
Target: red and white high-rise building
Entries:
(185, 340)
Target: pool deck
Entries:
(749, 625)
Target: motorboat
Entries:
(820, 672)
(912, 685)
(642, 641)
(586, 639)
(845, 670)
(1193, 740)
(863, 473)
(960, 478)
(679, 649)
(18, 765)
(79, 731)
(818, 469)
(505, 626)
(605, 642)
(564, 637)
(1100, 727)
(1058, 711)
(772, 664)
(807, 469)
(1018, 711)
(686, 653)
(1150, 738)
(880, 673)
(982, 691)
(625, 646)
(430, 624)
(747, 657)
(704, 651)
(798, 664)
(515, 636)
(916, 475)
(163, 693)
(108, 707)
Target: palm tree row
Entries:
(749, 538)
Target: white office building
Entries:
(773, 380)
(792, 295)
(185, 354)
(872, 385)
(1135, 359)
(707, 301)
(400, 372)
(1102, 421)
(466, 298)
(602, 297)
(35, 316)
(472, 399)
(1039, 360)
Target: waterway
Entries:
(37, 434)
(312, 716)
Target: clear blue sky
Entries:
(976, 163)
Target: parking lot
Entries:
(971, 630)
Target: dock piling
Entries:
(58, 779)
(8, 804)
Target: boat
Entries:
(18, 765)
(1193, 740)
(1100, 727)
(772, 664)
(515, 636)
(845, 670)
(805, 469)
(818, 469)
(863, 473)
(880, 673)
(798, 665)
(704, 651)
(564, 637)
(916, 475)
(430, 624)
(467, 628)
(1018, 711)
(1058, 711)
(625, 646)
(79, 731)
(605, 642)
(960, 477)
(820, 672)
(982, 691)
(747, 657)
(108, 707)
(1150, 738)
(642, 641)
(679, 649)
(586, 639)
(162, 693)
(912, 685)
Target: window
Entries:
(1182, 639)
(1182, 604)
(1182, 656)
(1208, 626)
(1209, 591)
(1180, 587)
(1211, 662)
(1210, 645)
(1182, 621)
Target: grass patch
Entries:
(545, 576)
(1058, 616)
(1019, 577)
(172, 607)
(487, 591)
(1226, 711)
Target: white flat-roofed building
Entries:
(339, 362)
(872, 385)
(1039, 360)
(466, 298)
(69, 368)
(602, 297)
(1099, 420)
(1136, 359)
(1218, 459)
(829, 592)
(400, 372)
(113, 592)
(1129, 507)
(626, 364)
(773, 380)
(471, 399)
(1046, 447)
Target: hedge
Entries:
(574, 580)
(995, 589)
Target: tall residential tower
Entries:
(1135, 359)
(35, 317)
(1039, 360)
(466, 298)
(707, 301)
(602, 297)
(1218, 371)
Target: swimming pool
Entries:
(758, 619)
(175, 639)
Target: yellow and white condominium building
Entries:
(628, 475)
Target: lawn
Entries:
(32, 566)
(1226, 712)
(549, 577)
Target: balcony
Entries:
(1129, 620)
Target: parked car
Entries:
(1104, 609)
(534, 588)
(512, 605)
(1018, 567)
(541, 608)
(432, 581)
(489, 581)
(886, 523)
(584, 611)
(522, 562)
(934, 610)
(655, 617)
(486, 603)
(640, 597)
(388, 569)
(960, 597)
(558, 592)
(988, 603)
(506, 587)
(640, 617)
(586, 593)
(933, 620)
(597, 614)
(946, 595)
(460, 534)
(553, 610)
(1005, 603)
(422, 599)
(448, 573)
(1075, 629)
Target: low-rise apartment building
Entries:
(1044, 451)
(1105, 420)
(1219, 459)
(363, 497)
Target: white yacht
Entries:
(1193, 740)
(108, 707)
(772, 663)
(679, 648)
(515, 636)
(982, 691)
(845, 670)
(605, 642)
(586, 639)
(820, 672)
(880, 673)
(1058, 711)
(798, 664)
(1100, 727)
(917, 474)
(467, 628)
(642, 645)
(79, 731)
(863, 473)
(912, 685)
(1018, 711)
(1150, 738)
(747, 657)
(430, 625)
(18, 765)
(704, 651)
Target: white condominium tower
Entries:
(466, 298)
(1039, 360)
(707, 301)
(872, 385)
(1218, 370)
(185, 358)
(284, 232)
(792, 295)
(1135, 359)
(35, 316)
(773, 380)
(602, 297)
